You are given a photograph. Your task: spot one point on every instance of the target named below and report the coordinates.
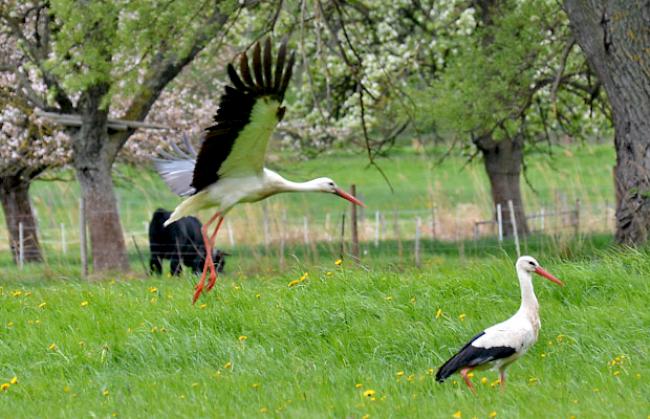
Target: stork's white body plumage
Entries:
(500, 345)
(229, 169)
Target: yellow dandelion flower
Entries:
(484, 380)
(369, 393)
(462, 317)
(457, 414)
(14, 380)
(16, 293)
(532, 380)
(243, 338)
(10, 324)
(617, 373)
(227, 365)
(470, 375)
(400, 373)
(263, 410)
(4, 386)
(572, 417)
(84, 304)
(543, 354)
(153, 289)
(105, 393)
(495, 383)
(389, 298)
(366, 416)
(203, 306)
(559, 338)
(255, 385)
(493, 414)
(258, 295)
(438, 313)
(430, 371)
(114, 414)
(358, 385)
(66, 389)
(42, 305)
(154, 329)
(338, 262)
(294, 283)
(410, 378)
(52, 347)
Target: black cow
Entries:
(181, 242)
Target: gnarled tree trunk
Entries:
(615, 38)
(503, 162)
(14, 194)
(93, 158)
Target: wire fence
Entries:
(270, 230)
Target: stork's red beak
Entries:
(340, 192)
(542, 272)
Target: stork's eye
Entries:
(331, 184)
(531, 263)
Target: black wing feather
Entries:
(471, 356)
(235, 108)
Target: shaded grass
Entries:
(139, 348)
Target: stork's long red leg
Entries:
(502, 379)
(206, 243)
(463, 373)
(213, 273)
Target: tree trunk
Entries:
(14, 194)
(93, 158)
(615, 38)
(503, 161)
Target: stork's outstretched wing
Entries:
(248, 112)
(177, 168)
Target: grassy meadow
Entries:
(343, 342)
(310, 338)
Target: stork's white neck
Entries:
(279, 184)
(529, 305)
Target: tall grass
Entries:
(345, 342)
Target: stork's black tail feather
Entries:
(472, 356)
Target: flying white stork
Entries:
(500, 345)
(229, 168)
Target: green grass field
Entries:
(347, 341)
(344, 342)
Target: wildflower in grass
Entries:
(14, 380)
(84, 304)
(470, 375)
(358, 385)
(413, 300)
(410, 378)
(366, 416)
(195, 385)
(462, 317)
(10, 324)
(638, 376)
(617, 373)
(255, 385)
(153, 289)
(294, 283)
(495, 383)
(52, 347)
(66, 389)
(243, 338)
(42, 305)
(438, 313)
(329, 273)
(263, 410)
(493, 414)
(203, 306)
(484, 380)
(389, 298)
(543, 355)
(457, 414)
(533, 380)
(559, 338)
(105, 392)
(400, 373)
(430, 371)
(227, 365)
(369, 393)
(4, 386)
(154, 300)
(338, 262)
(258, 295)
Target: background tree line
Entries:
(499, 80)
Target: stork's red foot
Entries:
(197, 292)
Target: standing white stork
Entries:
(229, 168)
(500, 345)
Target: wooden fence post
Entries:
(82, 237)
(21, 245)
(513, 220)
(355, 227)
(418, 226)
(342, 251)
